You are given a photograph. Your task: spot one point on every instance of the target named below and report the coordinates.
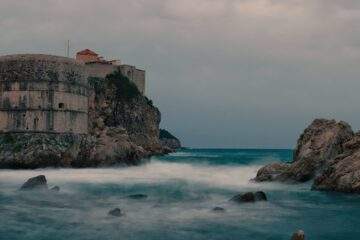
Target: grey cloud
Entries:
(227, 73)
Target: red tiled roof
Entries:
(87, 52)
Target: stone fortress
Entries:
(97, 66)
(50, 94)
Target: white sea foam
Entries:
(231, 177)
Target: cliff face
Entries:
(123, 129)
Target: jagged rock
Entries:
(38, 183)
(218, 209)
(55, 189)
(343, 173)
(137, 196)
(320, 142)
(260, 196)
(298, 235)
(116, 212)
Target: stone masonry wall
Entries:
(42, 93)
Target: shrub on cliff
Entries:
(125, 89)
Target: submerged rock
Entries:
(55, 189)
(298, 235)
(260, 196)
(38, 182)
(137, 196)
(116, 212)
(249, 197)
(317, 146)
(218, 209)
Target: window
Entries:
(61, 105)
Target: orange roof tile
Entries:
(87, 52)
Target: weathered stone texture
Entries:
(42, 93)
(320, 142)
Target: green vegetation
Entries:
(125, 89)
(166, 134)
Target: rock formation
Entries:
(38, 183)
(168, 140)
(321, 142)
(343, 172)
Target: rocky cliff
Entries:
(167, 140)
(327, 152)
(123, 129)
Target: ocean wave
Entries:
(231, 177)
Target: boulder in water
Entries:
(245, 197)
(38, 182)
(55, 189)
(218, 209)
(298, 235)
(260, 196)
(137, 196)
(249, 197)
(116, 212)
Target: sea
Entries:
(182, 189)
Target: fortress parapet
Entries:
(43, 93)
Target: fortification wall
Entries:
(135, 75)
(42, 93)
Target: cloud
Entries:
(224, 73)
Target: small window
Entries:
(61, 105)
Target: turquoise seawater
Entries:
(182, 189)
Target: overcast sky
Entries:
(224, 73)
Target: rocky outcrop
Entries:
(321, 142)
(168, 140)
(343, 172)
(38, 183)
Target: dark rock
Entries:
(137, 196)
(167, 140)
(320, 142)
(298, 235)
(260, 196)
(242, 198)
(218, 209)
(271, 172)
(38, 182)
(55, 189)
(116, 212)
